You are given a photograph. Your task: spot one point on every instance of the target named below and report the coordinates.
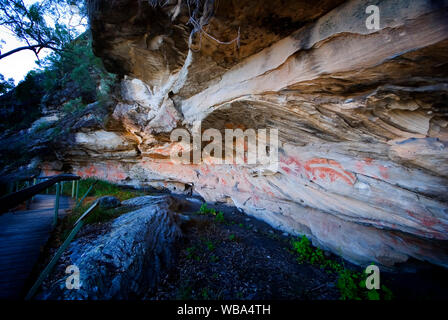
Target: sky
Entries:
(17, 65)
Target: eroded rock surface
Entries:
(361, 114)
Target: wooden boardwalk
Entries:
(22, 235)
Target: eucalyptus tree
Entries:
(41, 24)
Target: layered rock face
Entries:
(361, 114)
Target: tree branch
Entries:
(32, 48)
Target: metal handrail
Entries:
(85, 195)
(44, 274)
(11, 200)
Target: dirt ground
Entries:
(244, 258)
(240, 257)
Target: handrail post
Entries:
(85, 195)
(77, 189)
(56, 206)
(34, 183)
(73, 188)
(28, 202)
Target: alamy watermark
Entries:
(373, 20)
(373, 278)
(73, 280)
(229, 146)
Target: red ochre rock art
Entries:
(328, 169)
(319, 169)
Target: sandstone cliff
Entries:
(361, 114)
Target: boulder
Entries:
(126, 261)
(108, 202)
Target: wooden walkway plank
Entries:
(22, 235)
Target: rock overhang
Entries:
(360, 114)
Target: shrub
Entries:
(219, 217)
(78, 68)
(74, 105)
(303, 248)
(204, 210)
(348, 285)
(351, 284)
(210, 245)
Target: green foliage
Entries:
(303, 248)
(191, 253)
(42, 126)
(387, 293)
(185, 292)
(20, 105)
(351, 284)
(71, 78)
(6, 85)
(101, 188)
(232, 237)
(74, 105)
(204, 293)
(315, 256)
(204, 210)
(220, 217)
(97, 215)
(107, 82)
(57, 132)
(80, 70)
(348, 285)
(373, 295)
(41, 24)
(29, 90)
(210, 245)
